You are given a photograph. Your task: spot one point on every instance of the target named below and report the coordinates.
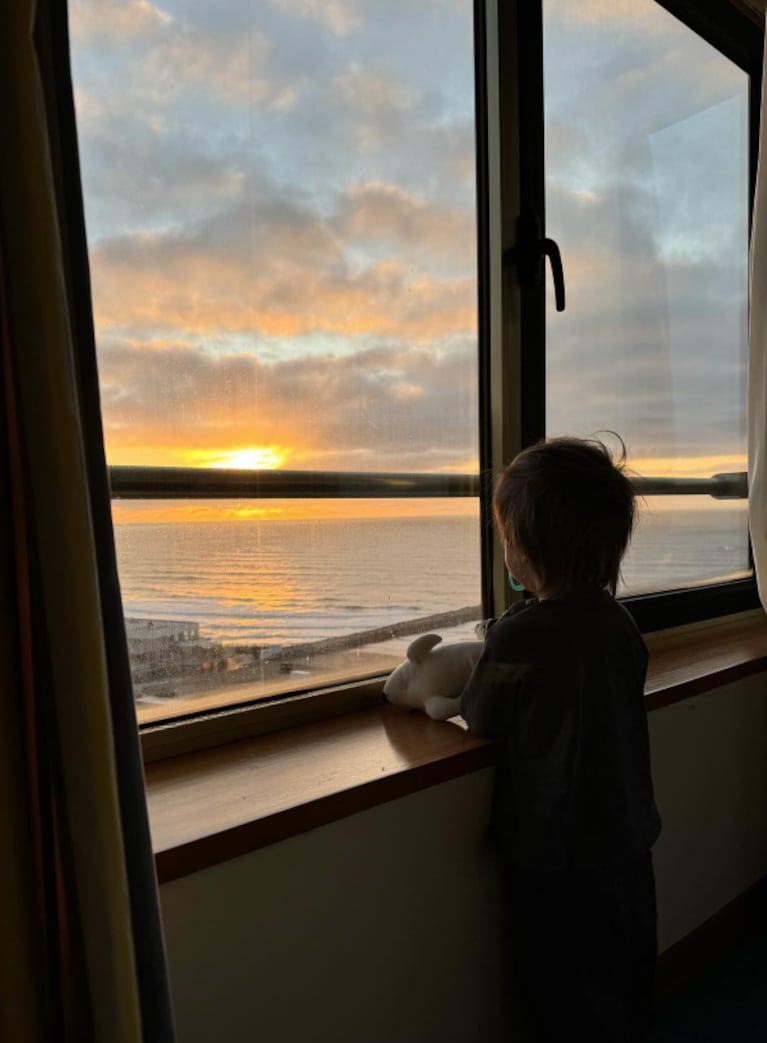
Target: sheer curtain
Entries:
(82, 954)
(757, 366)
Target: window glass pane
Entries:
(280, 202)
(647, 195)
(265, 607)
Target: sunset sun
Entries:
(250, 458)
(253, 458)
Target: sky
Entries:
(280, 203)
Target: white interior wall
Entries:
(709, 758)
(334, 934)
(385, 927)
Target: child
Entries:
(560, 684)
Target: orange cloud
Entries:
(688, 466)
(398, 408)
(99, 19)
(200, 291)
(232, 68)
(378, 212)
(174, 57)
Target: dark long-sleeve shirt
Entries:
(560, 685)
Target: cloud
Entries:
(646, 195)
(631, 71)
(140, 60)
(196, 292)
(385, 262)
(376, 213)
(652, 350)
(341, 17)
(372, 92)
(281, 213)
(390, 407)
(636, 18)
(380, 108)
(93, 21)
(191, 59)
(147, 176)
(260, 96)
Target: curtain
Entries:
(757, 366)
(82, 953)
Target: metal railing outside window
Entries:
(146, 483)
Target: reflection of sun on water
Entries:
(125, 512)
(250, 513)
(261, 591)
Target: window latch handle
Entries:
(551, 250)
(528, 254)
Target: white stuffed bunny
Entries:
(432, 678)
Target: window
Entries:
(280, 203)
(647, 173)
(636, 158)
(302, 399)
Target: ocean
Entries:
(280, 583)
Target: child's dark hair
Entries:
(569, 509)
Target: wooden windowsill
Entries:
(216, 804)
(686, 661)
(212, 805)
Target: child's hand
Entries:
(481, 629)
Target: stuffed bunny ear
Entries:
(420, 648)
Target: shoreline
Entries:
(176, 674)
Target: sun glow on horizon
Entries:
(687, 466)
(250, 458)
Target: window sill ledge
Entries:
(216, 804)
